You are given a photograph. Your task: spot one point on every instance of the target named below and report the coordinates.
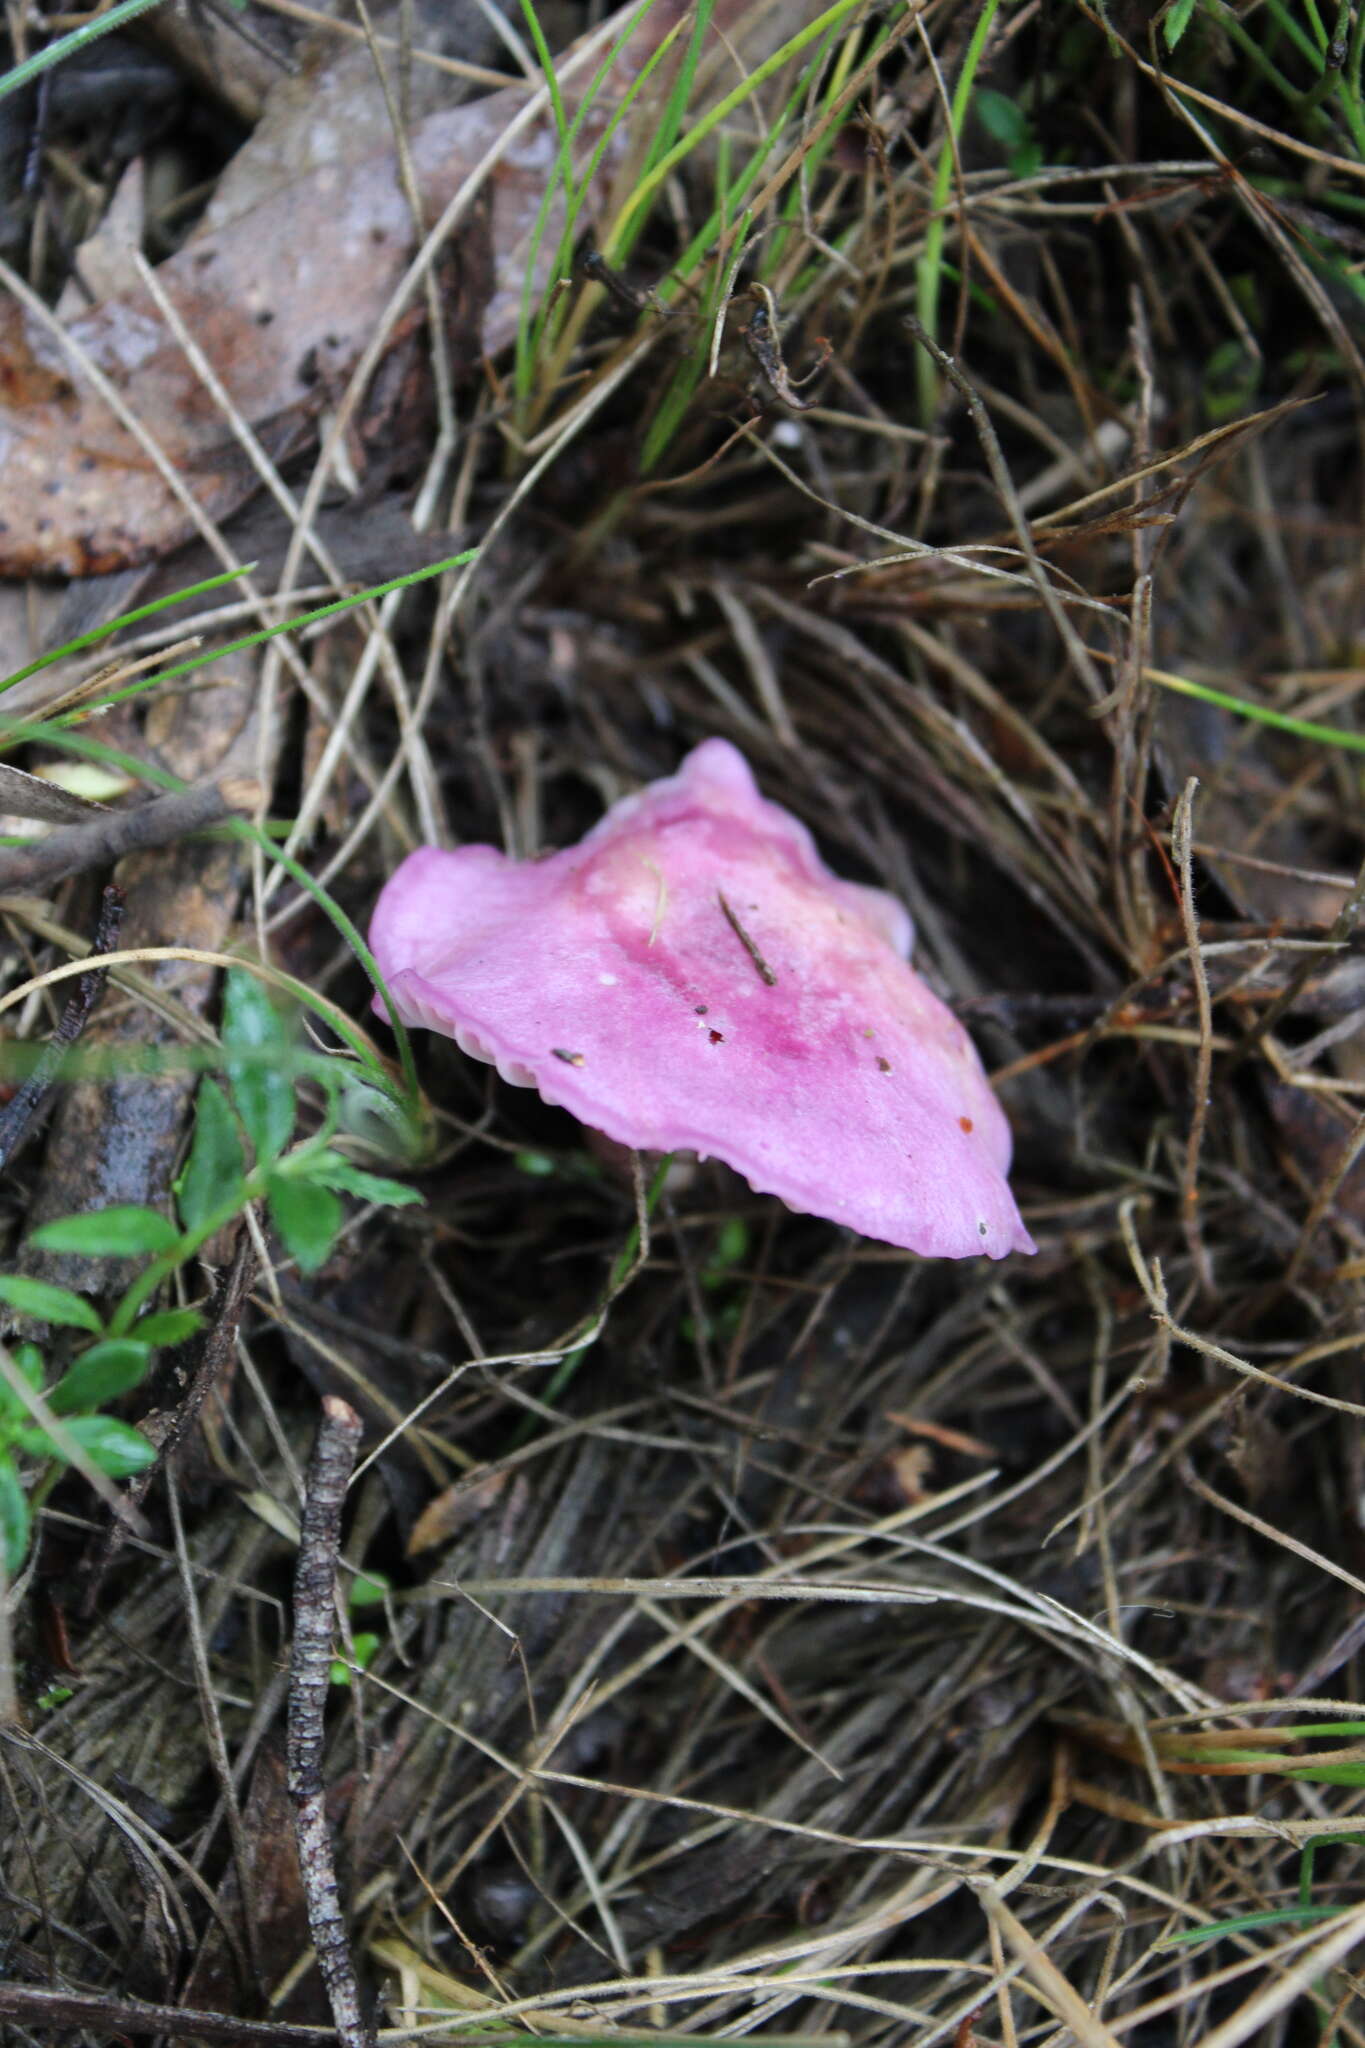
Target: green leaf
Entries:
(115, 1447)
(168, 1326)
(364, 1646)
(48, 1304)
(14, 1519)
(115, 1233)
(307, 1217)
(732, 1244)
(99, 1374)
(1003, 119)
(1229, 383)
(215, 1169)
(27, 1361)
(390, 1127)
(330, 1170)
(263, 1094)
(1176, 20)
(368, 1589)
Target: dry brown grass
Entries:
(805, 1670)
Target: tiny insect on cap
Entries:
(692, 977)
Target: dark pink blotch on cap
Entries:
(692, 977)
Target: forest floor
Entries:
(742, 1626)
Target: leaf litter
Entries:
(314, 263)
(779, 1634)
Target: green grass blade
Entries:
(1279, 721)
(716, 236)
(670, 124)
(1175, 21)
(202, 660)
(1245, 1923)
(644, 192)
(636, 87)
(67, 45)
(1353, 1730)
(547, 65)
(134, 618)
(530, 333)
(929, 269)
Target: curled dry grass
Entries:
(809, 1666)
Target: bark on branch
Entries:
(113, 833)
(329, 1471)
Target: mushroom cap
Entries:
(691, 976)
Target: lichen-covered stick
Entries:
(329, 1470)
(18, 1111)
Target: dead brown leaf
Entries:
(276, 1906)
(453, 1510)
(33, 796)
(282, 300)
(940, 1433)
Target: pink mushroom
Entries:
(692, 977)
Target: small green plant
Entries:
(239, 1154)
(72, 1432)
(1229, 383)
(1175, 21)
(368, 1589)
(1242, 1752)
(1311, 58)
(718, 1283)
(1006, 122)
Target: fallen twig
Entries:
(115, 2016)
(112, 834)
(329, 1470)
(18, 1111)
(168, 1431)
